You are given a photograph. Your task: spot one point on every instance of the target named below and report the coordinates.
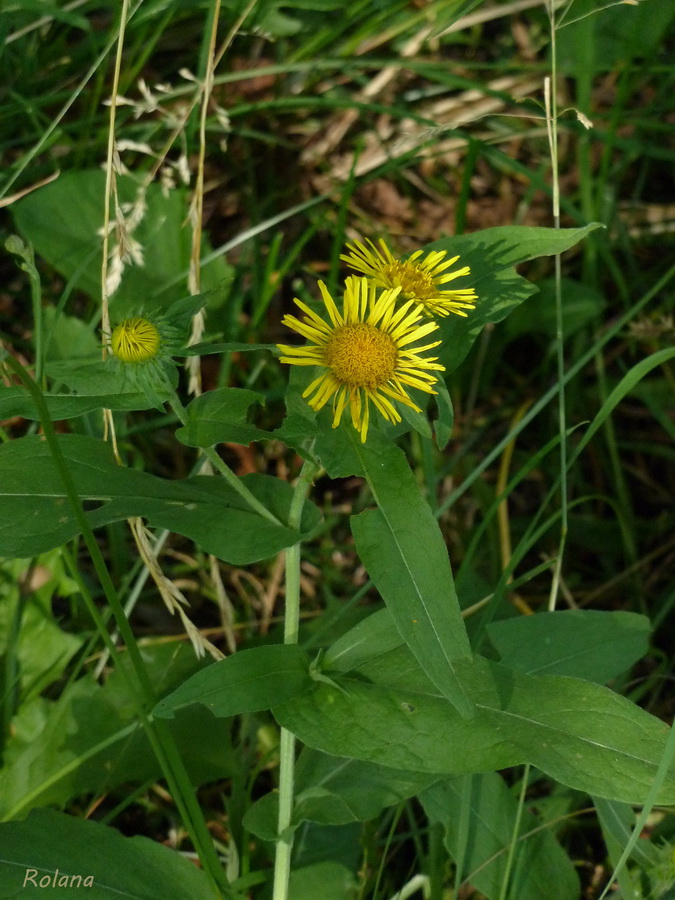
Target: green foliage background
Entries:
(447, 742)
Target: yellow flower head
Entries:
(135, 340)
(142, 350)
(419, 279)
(365, 351)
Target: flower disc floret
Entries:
(420, 277)
(135, 340)
(365, 352)
(360, 355)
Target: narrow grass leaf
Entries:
(629, 381)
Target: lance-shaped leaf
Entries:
(401, 546)
(220, 415)
(247, 681)
(581, 734)
(491, 255)
(67, 857)
(35, 514)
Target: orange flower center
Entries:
(361, 356)
(413, 280)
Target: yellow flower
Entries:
(365, 350)
(420, 279)
(135, 340)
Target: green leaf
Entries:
(247, 681)
(90, 741)
(333, 791)
(372, 637)
(326, 879)
(16, 401)
(401, 546)
(446, 415)
(68, 337)
(72, 243)
(630, 380)
(603, 37)
(231, 347)
(219, 416)
(491, 256)
(41, 649)
(115, 383)
(581, 306)
(577, 732)
(55, 847)
(540, 867)
(585, 643)
(617, 821)
(35, 514)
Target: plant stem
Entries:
(234, 482)
(551, 124)
(282, 862)
(504, 891)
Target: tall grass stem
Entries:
(551, 101)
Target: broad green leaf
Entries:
(299, 429)
(53, 846)
(90, 741)
(585, 643)
(404, 723)
(326, 879)
(220, 415)
(372, 637)
(35, 514)
(601, 37)
(540, 867)
(15, 401)
(579, 733)
(86, 377)
(491, 256)
(72, 243)
(401, 546)
(581, 306)
(68, 337)
(333, 791)
(42, 649)
(247, 681)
